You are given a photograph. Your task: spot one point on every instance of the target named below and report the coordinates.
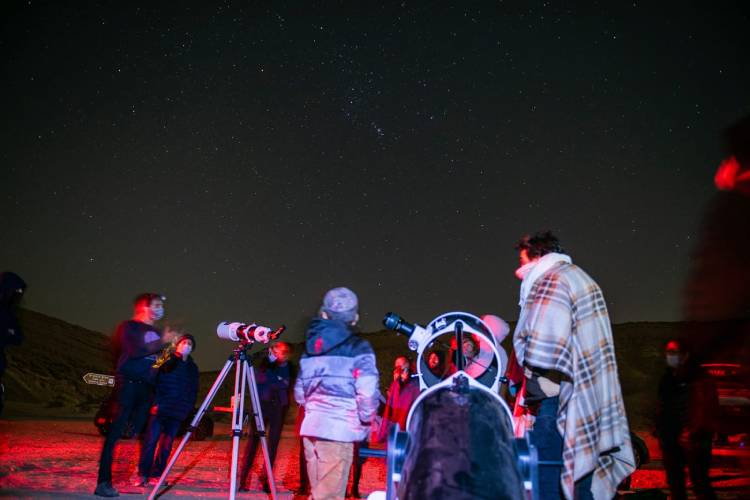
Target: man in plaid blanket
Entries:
(563, 341)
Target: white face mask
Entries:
(673, 360)
(157, 313)
(184, 349)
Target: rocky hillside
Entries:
(46, 371)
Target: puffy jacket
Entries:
(337, 383)
(177, 388)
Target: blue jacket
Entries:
(337, 383)
(177, 388)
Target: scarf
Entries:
(532, 271)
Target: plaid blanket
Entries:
(564, 326)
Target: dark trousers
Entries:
(273, 418)
(697, 457)
(161, 431)
(549, 445)
(132, 402)
(2, 395)
(357, 462)
(304, 481)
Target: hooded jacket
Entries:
(10, 330)
(337, 383)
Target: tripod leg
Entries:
(238, 413)
(260, 427)
(201, 411)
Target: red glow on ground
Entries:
(59, 458)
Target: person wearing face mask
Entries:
(177, 382)
(685, 421)
(138, 343)
(274, 380)
(470, 351)
(402, 393)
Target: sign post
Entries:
(99, 379)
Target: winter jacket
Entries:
(337, 383)
(274, 381)
(139, 345)
(10, 330)
(687, 400)
(401, 395)
(177, 388)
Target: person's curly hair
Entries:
(539, 244)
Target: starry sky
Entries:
(242, 158)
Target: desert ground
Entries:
(58, 458)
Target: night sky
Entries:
(242, 159)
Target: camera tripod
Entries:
(244, 375)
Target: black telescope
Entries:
(394, 322)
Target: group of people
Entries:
(570, 387)
(156, 381)
(563, 342)
(562, 370)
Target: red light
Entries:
(726, 175)
(730, 176)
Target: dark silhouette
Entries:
(12, 288)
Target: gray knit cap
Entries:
(340, 304)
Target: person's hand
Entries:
(170, 335)
(396, 374)
(154, 410)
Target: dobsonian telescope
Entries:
(459, 440)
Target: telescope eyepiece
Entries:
(393, 321)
